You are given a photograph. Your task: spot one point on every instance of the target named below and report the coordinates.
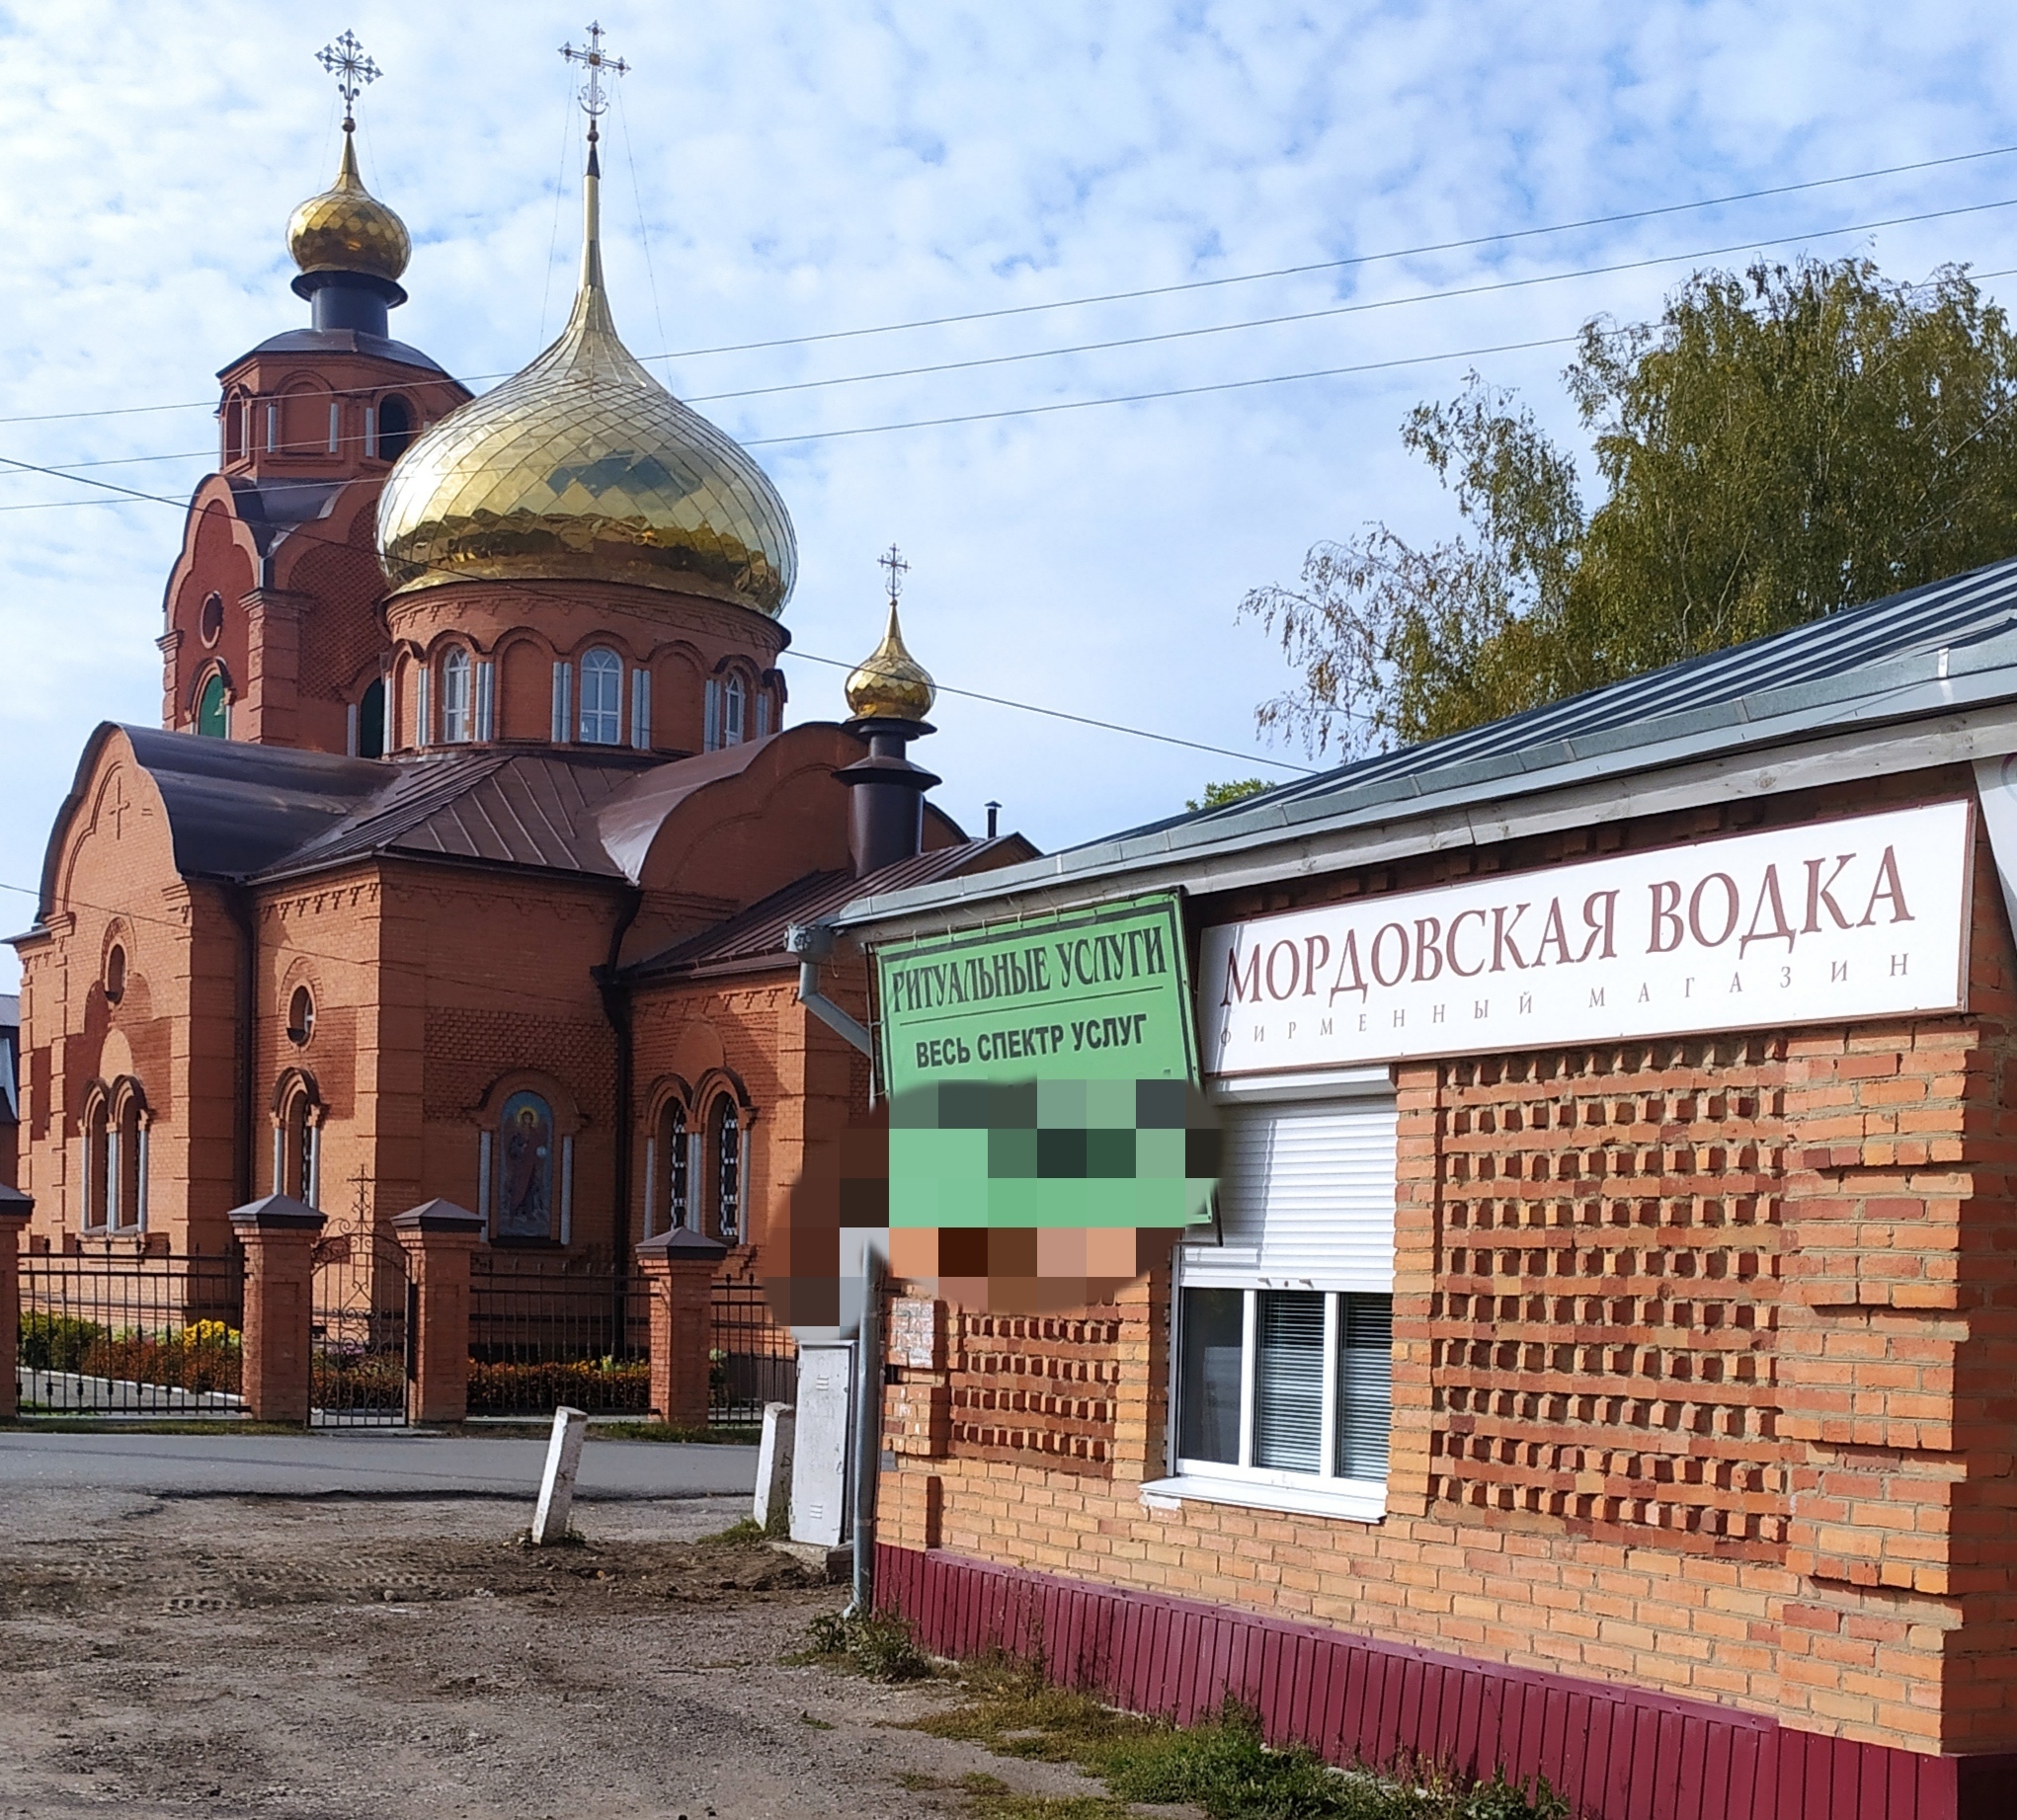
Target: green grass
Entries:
(879, 1646)
(1221, 1765)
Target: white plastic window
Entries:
(601, 698)
(456, 697)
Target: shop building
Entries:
(1601, 1360)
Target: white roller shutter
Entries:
(1306, 1200)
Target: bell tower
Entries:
(274, 629)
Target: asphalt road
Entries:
(363, 1464)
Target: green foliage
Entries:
(878, 1645)
(737, 1535)
(1237, 790)
(1222, 1766)
(57, 1342)
(202, 1356)
(1779, 446)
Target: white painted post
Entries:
(773, 1463)
(556, 1486)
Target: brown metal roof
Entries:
(507, 809)
(758, 933)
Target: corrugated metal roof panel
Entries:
(1863, 665)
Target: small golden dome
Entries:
(347, 229)
(890, 684)
(584, 467)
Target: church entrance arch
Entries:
(364, 1321)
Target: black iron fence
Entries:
(362, 1324)
(752, 1361)
(546, 1330)
(125, 1334)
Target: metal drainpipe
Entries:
(812, 943)
(868, 1438)
(616, 1008)
(245, 913)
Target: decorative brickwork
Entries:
(1607, 1288)
(1035, 1387)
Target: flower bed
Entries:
(202, 1357)
(601, 1386)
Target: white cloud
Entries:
(809, 168)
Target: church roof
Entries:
(249, 813)
(758, 933)
(340, 341)
(504, 809)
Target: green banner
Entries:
(1044, 1074)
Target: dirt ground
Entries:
(372, 1659)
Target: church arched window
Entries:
(602, 697)
(456, 696)
(725, 1134)
(233, 414)
(671, 1171)
(129, 1183)
(99, 1156)
(213, 708)
(525, 1148)
(394, 428)
(371, 721)
(297, 1141)
(735, 716)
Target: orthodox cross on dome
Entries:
(892, 564)
(595, 99)
(344, 60)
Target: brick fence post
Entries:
(279, 1234)
(678, 1270)
(440, 1240)
(15, 1209)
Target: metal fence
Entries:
(362, 1324)
(545, 1331)
(105, 1334)
(752, 1361)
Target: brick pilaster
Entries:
(15, 1210)
(440, 1238)
(678, 1267)
(279, 1234)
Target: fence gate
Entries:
(363, 1324)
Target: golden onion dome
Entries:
(347, 229)
(584, 467)
(890, 684)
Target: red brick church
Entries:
(461, 861)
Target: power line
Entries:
(542, 593)
(1172, 334)
(1504, 237)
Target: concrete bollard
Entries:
(773, 1467)
(556, 1486)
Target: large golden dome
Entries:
(347, 229)
(583, 466)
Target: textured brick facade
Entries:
(1703, 1356)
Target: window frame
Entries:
(608, 679)
(457, 676)
(1325, 1492)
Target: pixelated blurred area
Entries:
(1026, 1270)
(847, 1191)
(1025, 1197)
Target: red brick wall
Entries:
(1702, 1365)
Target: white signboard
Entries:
(1863, 917)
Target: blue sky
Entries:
(777, 170)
